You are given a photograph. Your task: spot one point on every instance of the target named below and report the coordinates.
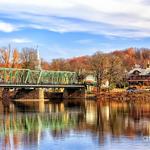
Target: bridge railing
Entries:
(27, 76)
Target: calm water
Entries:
(75, 125)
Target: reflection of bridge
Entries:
(26, 78)
(31, 122)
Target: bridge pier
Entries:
(70, 93)
(41, 93)
(41, 99)
(29, 94)
(6, 99)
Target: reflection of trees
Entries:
(118, 119)
(100, 123)
(5, 129)
(101, 119)
(116, 122)
(59, 133)
(125, 119)
(29, 127)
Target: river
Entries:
(75, 125)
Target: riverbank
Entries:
(115, 94)
(123, 95)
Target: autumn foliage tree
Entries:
(81, 66)
(15, 59)
(9, 57)
(110, 66)
(132, 56)
(59, 65)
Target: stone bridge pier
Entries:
(29, 93)
(41, 93)
(41, 99)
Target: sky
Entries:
(70, 28)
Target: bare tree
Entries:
(5, 57)
(114, 69)
(99, 67)
(28, 58)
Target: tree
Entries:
(114, 70)
(5, 57)
(80, 65)
(15, 58)
(59, 65)
(45, 65)
(28, 58)
(99, 67)
(9, 57)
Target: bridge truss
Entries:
(27, 76)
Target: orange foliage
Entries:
(81, 62)
(15, 59)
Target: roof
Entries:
(146, 71)
(141, 71)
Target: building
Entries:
(139, 76)
(90, 81)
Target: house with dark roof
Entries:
(139, 76)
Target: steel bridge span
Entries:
(41, 79)
(25, 77)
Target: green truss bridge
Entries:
(20, 78)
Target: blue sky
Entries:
(69, 28)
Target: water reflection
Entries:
(86, 124)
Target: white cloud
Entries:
(7, 27)
(20, 40)
(84, 41)
(15, 41)
(128, 18)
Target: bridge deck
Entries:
(41, 86)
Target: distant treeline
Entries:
(111, 66)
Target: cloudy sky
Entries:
(68, 28)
